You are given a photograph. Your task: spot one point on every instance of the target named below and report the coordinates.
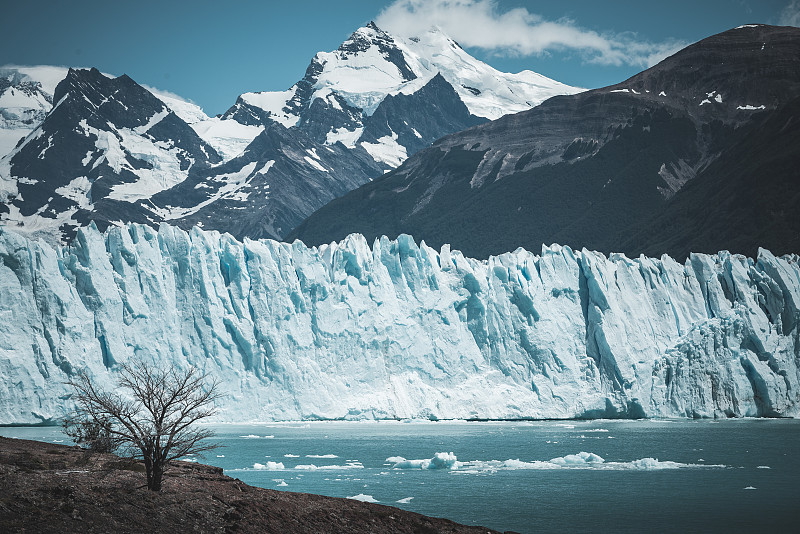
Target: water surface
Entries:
(665, 476)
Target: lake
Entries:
(565, 476)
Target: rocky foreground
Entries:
(54, 488)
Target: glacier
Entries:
(400, 330)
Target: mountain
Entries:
(116, 152)
(26, 95)
(397, 330)
(105, 144)
(341, 90)
(265, 191)
(698, 153)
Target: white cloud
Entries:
(790, 15)
(481, 24)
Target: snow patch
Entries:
(347, 137)
(77, 191)
(274, 102)
(228, 137)
(155, 119)
(387, 150)
(314, 163)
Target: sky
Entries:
(209, 52)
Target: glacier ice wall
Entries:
(398, 330)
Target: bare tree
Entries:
(151, 415)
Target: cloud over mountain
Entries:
(482, 24)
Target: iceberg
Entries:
(399, 330)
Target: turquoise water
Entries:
(664, 476)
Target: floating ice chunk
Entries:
(750, 488)
(250, 436)
(440, 460)
(596, 430)
(321, 456)
(291, 456)
(662, 93)
(748, 107)
(405, 500)
(220, 456)
(763, 467)
(314, 467)
(363, 498)
(652, 463)
(582, 458)
(269, 466)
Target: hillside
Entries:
(55, 488)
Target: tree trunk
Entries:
(154, 482)
(148, 468)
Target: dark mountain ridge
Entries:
(600, 169)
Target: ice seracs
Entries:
(399, 330)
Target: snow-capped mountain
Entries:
(26, 96)
(106, 144)
(359, 112)
(698, 153)
(264, 191)
(398, 330)
(342, 89)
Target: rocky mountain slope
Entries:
(397, 330)
(704, 141)
(77, 145)
(54, 488)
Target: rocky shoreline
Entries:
(55, 488)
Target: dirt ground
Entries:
(55, 488)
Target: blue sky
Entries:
(210, 51)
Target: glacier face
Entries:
(398, 330)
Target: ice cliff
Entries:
(399, 330)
